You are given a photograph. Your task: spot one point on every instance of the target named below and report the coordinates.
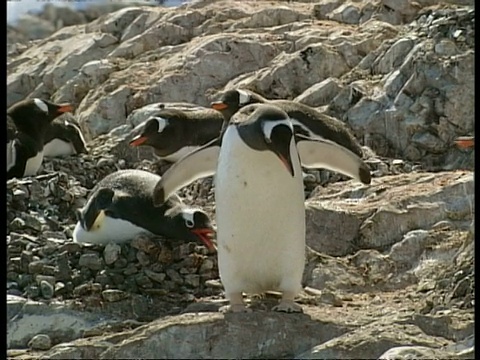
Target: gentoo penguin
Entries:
(259, 199)
(306, 120)
(31, 118)
(174, 133)
(120, 207)
(465, 142)
(63, 138)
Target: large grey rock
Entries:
(337, 225)
(321, 93)
(33, 318)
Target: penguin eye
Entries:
(189, 223)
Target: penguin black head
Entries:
(155, 131)
(92, 214)
(267, 128)
(75, 136)
(233, 100)
(191, 224)
(34, 115)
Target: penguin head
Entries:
(267, 128)
(193, 225)
(35, 114)
(161, 132)
(92, 215)
(75, 136)
(153, 132)
(233, 100)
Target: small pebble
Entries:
(47, 289)
(91, 261)
(111, 253)
(113, 295)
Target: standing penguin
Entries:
(121, 206)
(259, 198)
(63, 138)
(305, 119)
(31, 118)
(173, 133)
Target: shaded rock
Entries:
(40, 342)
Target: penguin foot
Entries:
(288, 306)
(237, 308)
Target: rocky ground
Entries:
(389, 267)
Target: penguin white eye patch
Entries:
(188, 214)
(162, 123)
(243, 97)
(267, 127)
(41, 105)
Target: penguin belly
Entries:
(106, 230)
(11, 155)
(33, 164)
(260, 216)
(58, 147)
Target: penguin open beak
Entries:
(138, 140)
(64, 108)
(205, 235)
(218, 105)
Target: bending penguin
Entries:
(27, 124)
(63, 138)
(121, 206)
(173, 133)
(259, 198)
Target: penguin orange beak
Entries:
(139, 140)
(64, 108)
(288, 164)
(465, 142)
(218, 105)
(205, 235)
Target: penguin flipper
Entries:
(326, 154)
(200, 163)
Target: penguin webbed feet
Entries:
(236, 304)
(287, 304)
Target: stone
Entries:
(394, 56)
(320, 94)
(47, 290)
(409, 249)
(158, 277)
(346, 13)
(40, 342)
(113, 295)
(91, 261)
(111, 253)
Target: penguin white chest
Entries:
(11, 154)
(107, 229)
(58, 147)
(33, 164)
(260, 218)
